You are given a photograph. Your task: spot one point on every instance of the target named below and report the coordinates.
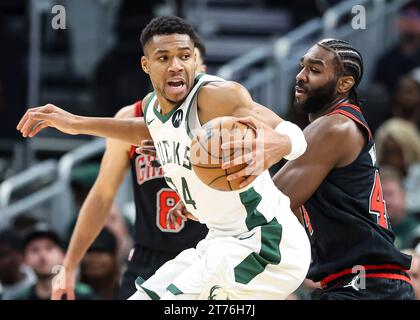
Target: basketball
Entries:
(207, 155)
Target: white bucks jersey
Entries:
(229, 213)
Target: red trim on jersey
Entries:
(334, 276)
(390, 276)
(351, 106)
(138, 112)
(348, 114)
(345, 104)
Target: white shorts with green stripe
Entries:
(268, 262)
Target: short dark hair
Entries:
(167, 25)
(104, 242)
(43, 231)
(10, 238)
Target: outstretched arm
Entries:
(333, 141)
(35, 119)
(95, 209)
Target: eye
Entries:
(185, 56)
(315, 70)
(163, 58)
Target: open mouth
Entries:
(175, 86)
(176, 83)
(299, 90)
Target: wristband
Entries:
(296, 136)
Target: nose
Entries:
(175, 66)
(301, 76)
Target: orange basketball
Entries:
(207, 155)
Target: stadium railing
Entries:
(272, 84)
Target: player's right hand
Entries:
(36, 119)
(63, 283)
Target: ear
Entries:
(145, 64)
(344, 84)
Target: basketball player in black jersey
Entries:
(155, 239)
(335, 186)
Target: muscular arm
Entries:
(229, 98)
(35, 119)
(97, 206)
(333, 141)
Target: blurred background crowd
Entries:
(92, 68)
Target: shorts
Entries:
(144, 263)
(260, 264)
(374, 289)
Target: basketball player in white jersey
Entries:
(256, 247)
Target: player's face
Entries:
(98, 264)
(10, 261)
(170, 63)
(316, 82)
(42, 255)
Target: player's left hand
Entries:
(179, 211)
(267, 148)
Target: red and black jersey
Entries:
(346, 217)
(153, 199)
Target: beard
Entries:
(316, 99)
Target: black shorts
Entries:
(144, 262)
(374, 289)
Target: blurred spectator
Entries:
(100, 268)
(405, 56)
(14, 275)
(376, 105)
(119, 228)
(398, 145)
(414, 241)
(43, 251)
(406, 98)
(82, 179)
(394, 195)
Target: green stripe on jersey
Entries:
(250, 199)
(153, 295)
(255, 263)
(147, 106)
(174, 289)
(271, 233)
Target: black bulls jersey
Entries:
(346, 217)
(153, 199)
